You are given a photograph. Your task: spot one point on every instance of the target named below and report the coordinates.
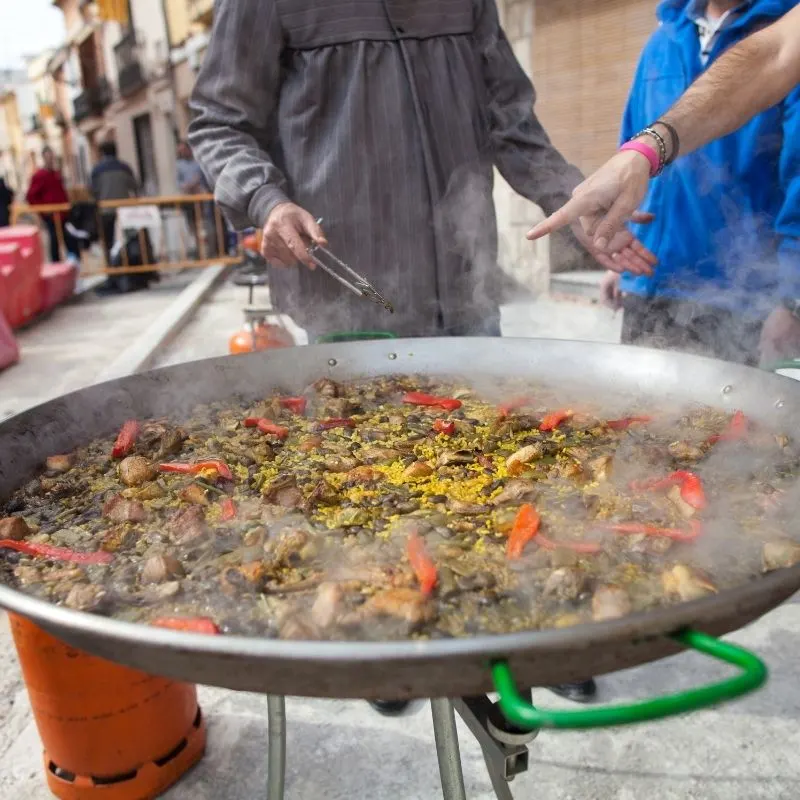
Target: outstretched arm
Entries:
(752, 76)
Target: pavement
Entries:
(745, 750)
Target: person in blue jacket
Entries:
(727, 226)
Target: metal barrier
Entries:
(165, 219)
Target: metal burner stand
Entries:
(504, 747)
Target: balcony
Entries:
(91, 101)
(129, 69)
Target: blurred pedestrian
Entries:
(6, 199)
(191, 180)
(47, 188)
(111, 179)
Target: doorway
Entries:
(145, 153)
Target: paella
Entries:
(404, 507)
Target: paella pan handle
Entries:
(522, 714)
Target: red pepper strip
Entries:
(421, 399)
(266, 426)
(692, 492)
(554, 419)
(626, 422)
(513, 404)
(676, 534)
(336, 422)
(577, 547)
(126, 438)
(56, 553)
(188, 624)
(526, 526)
(297, 405)
(192, 469)
(691, 486)
(445, 427)
(421, 563)
(228, 508)
(735, 430)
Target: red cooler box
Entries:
(58, 283)
(9, 350)
(21, 263)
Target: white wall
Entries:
(151, 34)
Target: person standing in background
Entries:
(191, 180)
(748, 79)
(388, 124)
(728, 234)
(47, 188)
(6, 199)
(111, 179)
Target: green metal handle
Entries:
(525, 716)
(354, 336)
(788, 363)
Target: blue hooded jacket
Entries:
(727, 227)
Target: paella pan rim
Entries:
(71, 419)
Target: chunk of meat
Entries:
(363, 474)
(309, 444)
(517, 461)
(419, 469)
(450, 457)
(600, 468)
(283, 492)
(188, 525)
(327, 605)
(565, 583)
(610, 602)
(467, 509)
(297, 626)
(684, 509)
(780, 554)
(14, 528)
(380, 455)
(340, 463)
(60, 463)
(194, 494)
(516, 491)
(246, 577)
(291, 547)
(159, 568)
(685, 451)
(408, 605)
(135, 470)
(85, 597)
(118, 509)
(325, 387)
(686, 583)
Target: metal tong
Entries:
(359, 285)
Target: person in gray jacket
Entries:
(111, 179)
(387, 123)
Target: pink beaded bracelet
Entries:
(647, 152)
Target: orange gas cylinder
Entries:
(252, 242)
(257, 334)
(108, 731)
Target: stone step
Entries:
(583, 283)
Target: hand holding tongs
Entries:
(360, 285)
